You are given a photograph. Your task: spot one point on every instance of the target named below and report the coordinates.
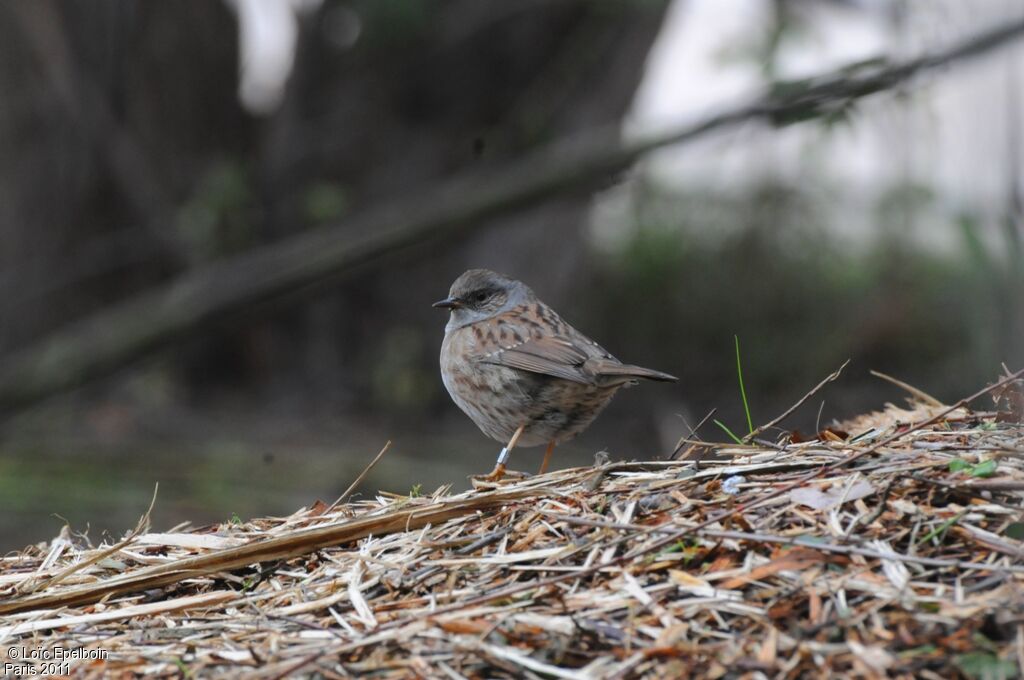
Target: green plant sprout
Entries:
(743, 395)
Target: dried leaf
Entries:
(691, 584)
(829, 434)
(813, 497)
(1010, 398)
(791, 560)
(464, 626)
(874, 656)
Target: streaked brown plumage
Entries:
(510, 363)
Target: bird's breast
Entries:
(463, 374)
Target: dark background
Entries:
(128, 160)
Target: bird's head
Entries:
(481, 294)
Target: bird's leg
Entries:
(499, 467)
(547, 458)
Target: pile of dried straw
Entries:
(893, 548)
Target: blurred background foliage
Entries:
(139, 143)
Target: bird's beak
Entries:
(448, 303)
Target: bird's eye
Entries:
(479, 296)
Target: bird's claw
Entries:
(495, 478)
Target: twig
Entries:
(761, 428)
(482, 542)
(299, 542)
(290, 670)
(866, 552)
(934, 419)
(791, 540)
(693, 433)
(201, 601)
(785, 488)
(866, 520)
(140, 527)
(920, 394)
(360, 478)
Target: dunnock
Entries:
(520, 372)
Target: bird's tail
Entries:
(630, 372)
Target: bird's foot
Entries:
(495, 478)
(496, 474)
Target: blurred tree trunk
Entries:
(111, 108)
(431, 90)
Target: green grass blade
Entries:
(743, 390)
(728, 431)
(941, 529)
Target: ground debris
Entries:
(905, 563)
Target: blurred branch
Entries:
(114, 338)
(43, 276)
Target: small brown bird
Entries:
(520, 372)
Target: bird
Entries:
(523, 375)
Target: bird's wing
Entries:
(547, 355)
(549, 347)
(556, 349)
